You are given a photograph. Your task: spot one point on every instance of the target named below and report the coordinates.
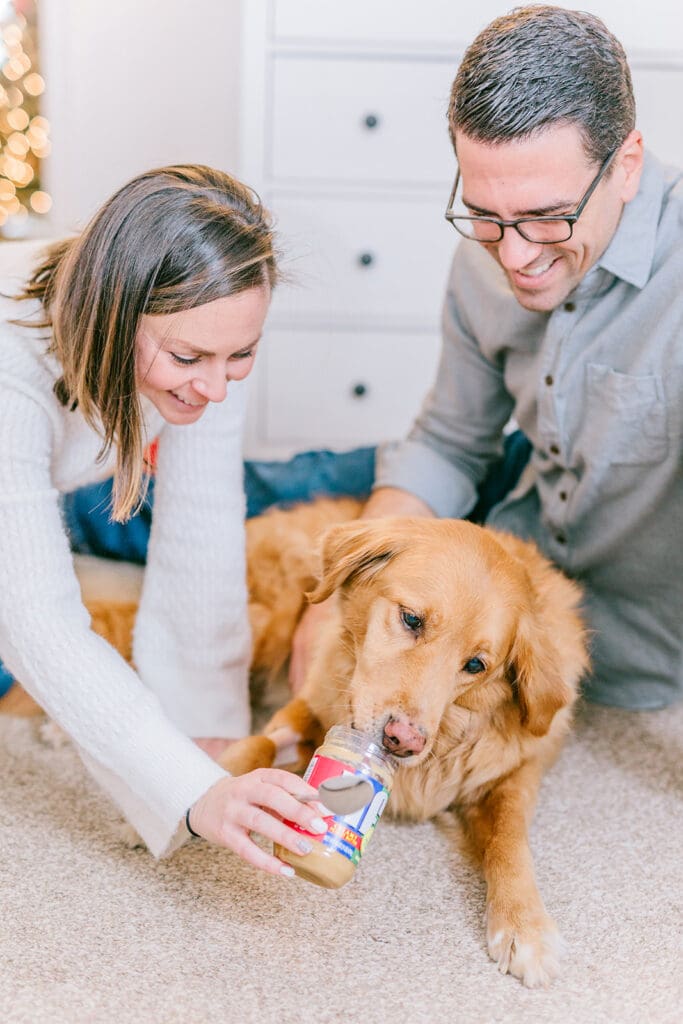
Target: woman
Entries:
(144, 326)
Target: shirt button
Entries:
(569, 307)
(554, 449)
(560, 538)
(549, 381)
(563, 495)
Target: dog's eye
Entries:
(411, 620)
(474, 665)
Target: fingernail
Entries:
(304, 845)
(287, 871)
(318, 825)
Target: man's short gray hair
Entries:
(540, 66)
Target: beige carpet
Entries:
(93, 932)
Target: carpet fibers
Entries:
(92, 932)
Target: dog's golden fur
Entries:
(459, 647)
(281, 568)
(485, 680)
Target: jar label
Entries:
(347, 834)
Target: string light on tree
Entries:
(24, 133)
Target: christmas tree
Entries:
(24, 133)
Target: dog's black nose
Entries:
(402, 738)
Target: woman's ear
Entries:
(353, 551)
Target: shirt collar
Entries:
(631, 251)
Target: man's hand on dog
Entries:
(257, 802)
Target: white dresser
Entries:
(344, 134)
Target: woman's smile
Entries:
(188, 403)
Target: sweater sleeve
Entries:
(144, 762)
(192, 640)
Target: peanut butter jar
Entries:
(335, 855)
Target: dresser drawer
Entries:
(440, 24)
(378, 260)
(383, 21)
(360, 120)
(342, 389)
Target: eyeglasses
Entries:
(542, 230)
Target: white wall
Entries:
(134, 84)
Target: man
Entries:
(564, 310)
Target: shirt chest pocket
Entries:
(626, 416)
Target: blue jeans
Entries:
(267, 484)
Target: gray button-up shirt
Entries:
(597, 387)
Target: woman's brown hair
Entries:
(171, 239)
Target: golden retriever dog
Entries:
(460, 650)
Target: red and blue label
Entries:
(347, 834)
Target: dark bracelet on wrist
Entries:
(189, 827)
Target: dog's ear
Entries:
(535, 671)
(353, 551)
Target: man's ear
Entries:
(630, 165)
(534, 669)
(353, 551)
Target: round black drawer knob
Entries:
(366, 259)
(359, 390)
(371, 121)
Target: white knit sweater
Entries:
(192, 640)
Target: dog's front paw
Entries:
(525, 943)
(246, 754)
